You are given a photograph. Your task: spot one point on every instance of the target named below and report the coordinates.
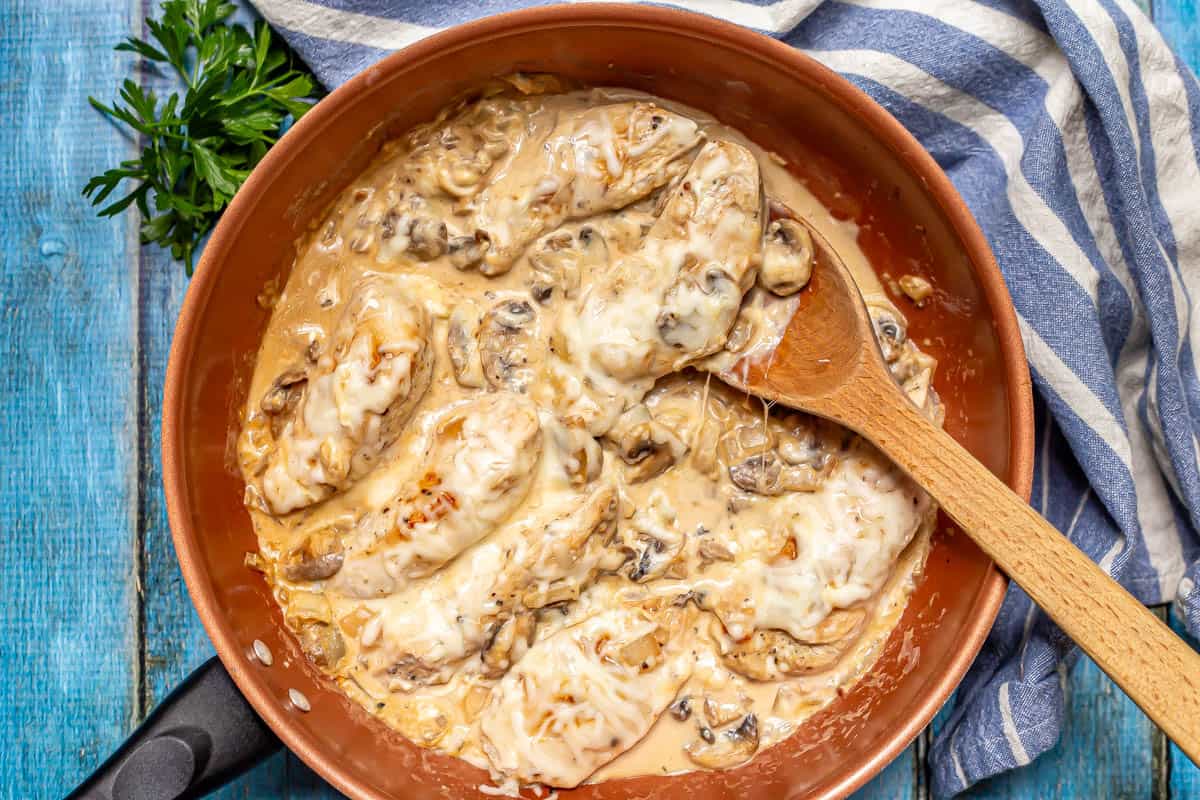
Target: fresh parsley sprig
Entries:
(238, 89)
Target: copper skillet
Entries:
(851, 153)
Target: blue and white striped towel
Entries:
(1073, 132)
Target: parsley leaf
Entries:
(239, 87)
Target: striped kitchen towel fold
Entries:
(1073, 133)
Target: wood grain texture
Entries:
(1105, 750)
(1159, 671)
(1183, 774)
(1179, 21)
(896, 782)
(67, 417)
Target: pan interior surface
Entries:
(847, 150)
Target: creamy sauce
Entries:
(498, 493)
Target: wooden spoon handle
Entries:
(1157, 669)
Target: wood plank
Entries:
(1179, 21)
(174, 641)
(1183, 775)
(896, 782)
(67, 417)
(1105, 749)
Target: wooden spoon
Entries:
(829, 364)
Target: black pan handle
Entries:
(203, 735)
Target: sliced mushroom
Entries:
(559, 260)
(787, 258)
(725, 749)
(509, 642)
(712, 548)
(741, 335)
(770, 655)
(284, 391)
(468, 251)
(758, 474)
(427, 238)
(768, 474)
(409, 670)
(911, 368)
(462, 343)
(508, 345)
(321, 642)
(391, 224)
(719, 714)
(890, 330)
(654, 541)
(741, 441)
(808, 441)
(647, 447)
(681, 709)
(318, 557)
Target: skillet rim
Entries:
(686, 24)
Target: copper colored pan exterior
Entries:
(855, 156)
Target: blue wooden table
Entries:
(95, 622)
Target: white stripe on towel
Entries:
(312, 19)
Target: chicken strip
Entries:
(795, 599)
(674, 300)
(480, 604)
(477, 469)
(584, 695)
(598, 160)
(318, 430)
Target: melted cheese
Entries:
(497, 496)
(378, 366)
(478, 470)
(576, 698)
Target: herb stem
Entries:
(239, 87)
